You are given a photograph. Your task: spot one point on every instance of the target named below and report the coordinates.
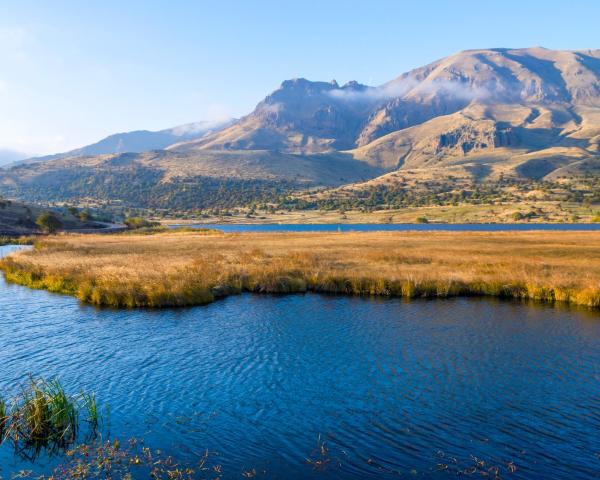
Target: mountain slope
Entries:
(300, 117)
(184, 180)
(139, 141)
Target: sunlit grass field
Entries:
(187, 268)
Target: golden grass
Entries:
(184, 268)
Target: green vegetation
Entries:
(420, 193)
(44, 416)
(141, 187)
(141, 192)
(48, 222)
(422, 220)
(22, 240)
(134, 223)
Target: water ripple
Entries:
(388, 387)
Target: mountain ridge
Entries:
(137, 141)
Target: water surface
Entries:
(390, 387)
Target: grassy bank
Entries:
(184, 268)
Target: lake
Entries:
(396, 227)
(390, 387)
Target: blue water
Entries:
(391, 387)
(402, 227)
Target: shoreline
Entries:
(533, 212)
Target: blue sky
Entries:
(73, 72)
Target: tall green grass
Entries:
(44, 416)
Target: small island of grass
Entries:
(188, 268)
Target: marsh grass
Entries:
(189, 268)
(23, 240)
(91, 408)
(3, 418)
(44, 416)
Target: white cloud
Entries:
(408, 85)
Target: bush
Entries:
(139, 222)
(48, 222)
(422, 220)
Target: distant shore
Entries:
(523, 212)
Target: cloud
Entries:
(408, 85)
(391, 90)
(198, 127)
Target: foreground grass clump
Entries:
(187, 268)
(43, 416)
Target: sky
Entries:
(73, 72)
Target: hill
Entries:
(17, 218)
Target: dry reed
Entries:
(183, 268)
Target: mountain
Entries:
(539, 104)
(10, 156)
(139, 141)
(300, 117)
(480, 115)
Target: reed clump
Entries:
(187, 268)
(44, 416)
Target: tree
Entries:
(48, 222)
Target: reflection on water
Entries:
(327, 387)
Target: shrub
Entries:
(422, 220)
(139, 222)
(48, 222)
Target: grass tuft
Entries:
(44, 416)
